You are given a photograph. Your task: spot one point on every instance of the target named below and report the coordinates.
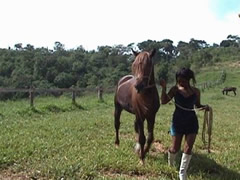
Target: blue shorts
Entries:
(173, 131)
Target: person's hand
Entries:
(205, 107)
(163, 83)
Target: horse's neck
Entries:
(152, 78)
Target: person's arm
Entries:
(198, 102)
(166, 97)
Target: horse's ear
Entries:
(152, 52)
(135, 52)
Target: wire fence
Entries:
(33, 92)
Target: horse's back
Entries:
(230, 88)
(124, 79)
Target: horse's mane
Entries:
(139, 65)
(140, 62)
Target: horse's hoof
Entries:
(137, 148)
(141, 162)
(116, 145)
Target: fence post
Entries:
(73, 96)
(100, 92)
(31, 96)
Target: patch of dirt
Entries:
(158, 147)
(8, 175)
(235, 64)
(114, 174)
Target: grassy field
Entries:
(58, 140)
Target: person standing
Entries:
(184, 121)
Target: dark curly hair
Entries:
(187, 74)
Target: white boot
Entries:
(171, 158)
(184, 166)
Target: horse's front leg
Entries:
(150, 137)
(137, 146)
(141, 139)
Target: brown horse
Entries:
(227, 89)
(138, 95)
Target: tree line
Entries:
(25, 67)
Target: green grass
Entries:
(58, 140)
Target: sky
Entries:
(93, 23)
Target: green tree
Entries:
(64, 80)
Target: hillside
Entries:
(213, 73)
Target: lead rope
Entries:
(207, 122)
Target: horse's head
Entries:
(142, 69)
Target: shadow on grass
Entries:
(202, 166)
(1, 115)
(29, 111)
(78, 106)
(56, 109)
(209, 169)
(48, 108)
(231, 95)
(104, 103)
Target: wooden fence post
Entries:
(31, 96)
(73, 96)
(100, 92)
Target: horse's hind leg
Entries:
(150, 137)
(117, 114)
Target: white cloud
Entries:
(93, 23)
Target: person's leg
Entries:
(176, 145)
(189, 142)
(186, 156)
